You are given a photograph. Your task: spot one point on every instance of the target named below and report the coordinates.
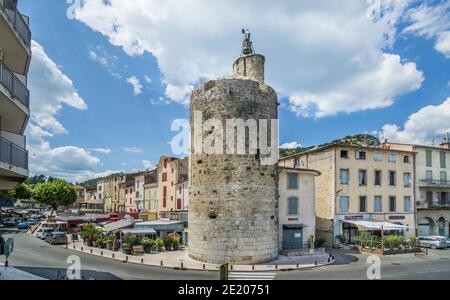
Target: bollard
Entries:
(276, 267)
(253, 267)
(113, 255)
(82, 249)
(101, 253)
(182, 265)
(74, 247)
(142, 260)
(162, 264)
(231, 266)
(91, 251)
(204, 267)
(316, 263)
(126, 258)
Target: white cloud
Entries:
(431, 22)
(443, 43)
(50, 90)
(100, 150)
(292, 145)
(147, 79)
(110, 62)
(137, 86)
(133, 150)
(315, 50)
(422, 127)
(148, 164)
(94, 56)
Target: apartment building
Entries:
(359, 184)
(15, 57)
(170, 172)
(127, 193)
(92, 204)
(432, 186)
(139, 181)
(297, 210)
(80, 190)
(151, 192)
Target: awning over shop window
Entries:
(376, 226)
(117, 225)
(144, 231)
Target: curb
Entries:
(184, 266)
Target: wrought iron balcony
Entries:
(17, 89)
(434, 204)
(9, 7)
(434, 184)
(12, 154)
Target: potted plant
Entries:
(175, 244)
(147, 244)
(115, 245)
(128, 241)
(99, 242)
(160, 244)
(168, 242)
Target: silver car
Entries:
(432, 242)
(446, 239)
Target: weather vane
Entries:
(247, 45)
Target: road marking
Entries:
(251, 276)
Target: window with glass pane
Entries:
(378, 156)
(292, 181)
(443, 160)
(377, 178)
(407, 179)
(293, 204)
(361, 155)
(392, 157)
(344, 154)
(378, 204)
(344, 176)
(362, 177)
(429, 158)
(444, 177)
(406, 159)
(392, 178)
(392, 204)
(430, 176)
(407, 204)
(344, 204)
(363, 204)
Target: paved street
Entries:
(37, 257)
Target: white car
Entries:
(43, 233)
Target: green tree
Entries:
(55, 194)
(22, 192)
(36, 180)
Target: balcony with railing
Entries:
(15, 18)
(428, 183)
(13, 154)
(17, 89)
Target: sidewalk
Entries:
(181, 260)
(11, 273)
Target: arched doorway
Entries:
(426, 227)
(441, 227)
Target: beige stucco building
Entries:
(432, 186)
(359, 184)
(297, 211)
(170, 170)
(92, 203)
(151, 191)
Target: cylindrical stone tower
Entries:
(233, 205)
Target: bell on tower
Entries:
(249, 64)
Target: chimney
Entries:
(446, 141)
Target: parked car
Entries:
(23, 226)
(56, 238)
(446, 239)
(33, 222)
(44, 232)
(9, 222)
(432, 242)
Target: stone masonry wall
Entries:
(233, 209)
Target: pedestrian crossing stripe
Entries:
(251, 276)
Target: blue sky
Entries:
(337, 72)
